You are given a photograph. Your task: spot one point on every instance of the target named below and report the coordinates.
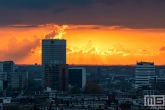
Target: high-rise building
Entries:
(144, 74)
(53, 51)
(54, 67)
(77, 77)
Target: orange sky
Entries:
(86, 44)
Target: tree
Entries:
(91, 88)
(29, 83)
(75, 90)
(16, 107)
(125, 85)
(94, 80)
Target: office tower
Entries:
(54, 64)
(144, 74)
(18, 78)
(77, 77)
(53, 51)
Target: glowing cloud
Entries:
(86, 44)
(57, 33)
(60, 30)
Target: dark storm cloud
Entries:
(125, 13)
(36, 4)
(24, 26)
(40, 4)
(96, 28)
(59, 10)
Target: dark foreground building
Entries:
(77, 77)
(56, 76)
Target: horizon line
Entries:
(95, 64)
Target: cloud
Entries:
(58, 32)
(30, 4)
(89, 48)
(124, 13)
(70, 26)
(59, 10)
(162, 49)
(69, 50)
(24, 26)
(96, 28)
(117, 49)
(17, 50)
(118, 54)
(50, 35)
(41, 4)
(88, 45)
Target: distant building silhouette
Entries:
(18, 79)
(98, 73)
(1, 66)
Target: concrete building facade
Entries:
(144, 74)
(162, 72)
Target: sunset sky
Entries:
(97, 31)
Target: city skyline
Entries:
(97, 32)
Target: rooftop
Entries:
(145, 63)
(53, 39)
